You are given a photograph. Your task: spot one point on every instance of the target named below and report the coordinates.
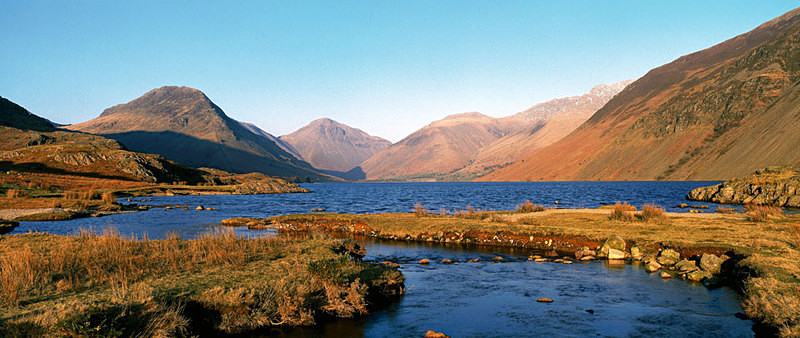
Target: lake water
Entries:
(375, 198)
(482, 299)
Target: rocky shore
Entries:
(779, 186)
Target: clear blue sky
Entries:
(387, 67)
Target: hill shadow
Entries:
(39, 168)
(355, 174)
(195, 152)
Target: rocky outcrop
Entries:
(778, 186)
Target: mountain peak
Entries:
(183, 98)
(468, 115)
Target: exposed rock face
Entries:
(720, 112)
(184, 125)
(775, 186)
(330, 145)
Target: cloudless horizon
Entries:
(386, 67)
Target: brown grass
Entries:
(762, 213)
(15, 193)
(420, 211)
(528, 206)
(106, 285)
(724, 210)
(622, 212)
(654, 214)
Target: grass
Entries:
(762, 213)
(771, 288)
(109, 285)
(528, 206)
(724, 210)
(622, 212)
(653, 214)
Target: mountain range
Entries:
(183, 124)
(718, 113)
(470, 145)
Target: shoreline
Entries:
(761, 263)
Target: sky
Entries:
(386, 67)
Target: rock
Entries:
(566, 262)
(668, 257)
(686, 266)
(613, 242)
(447, 261)
(698, 276)
(541, 260)
(434, 334)
(199, 207)
(390, 264)
(712, 282)
(615, 254)
(665, 275)
(636, 253)
(653, 266)
(649, 258)
(544, 300)
(587, 258)
(710, 263)
(584, 252)
(424, 261)
(474, 260)
(498, 259)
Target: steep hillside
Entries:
(542, 125)
(443, 146)
(330, 145)
(12, 115)
(261, 132)
(184, 125)
(715, 114)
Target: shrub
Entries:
(762, 213)
(528, 206)
(653, 214)
(622, 212)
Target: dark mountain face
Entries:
(12, 115)
(183, 124)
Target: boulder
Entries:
(541, 260)
(710, 263)
(668, 257)
(474, 260)
(544, 300)
(698, 275)
(613, 242)
(200, 207)
(424, 261)
(653, 266)
(447, 261)
(686, 266)
(616, 254)
(665, 275)
(649, 258)
(587, 258)
(498, 259)
(434, 334)
(636, 253)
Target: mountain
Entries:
(466, 146)
(541, 125)
(441, 147)
(332, 146)
(261, 132)
(12, 115)
(718, 113)
(183, 124)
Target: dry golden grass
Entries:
(528, 206)
(116, 285)
(622, 212)
(420, 211)
(654, 214)
(724, 210)
(762, 213)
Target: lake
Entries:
(482, 299)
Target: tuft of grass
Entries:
(762, 213)
(622, 212)
(419, 211)
(724, 210)
(108, 198)
(654, 214)
(528, 206)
